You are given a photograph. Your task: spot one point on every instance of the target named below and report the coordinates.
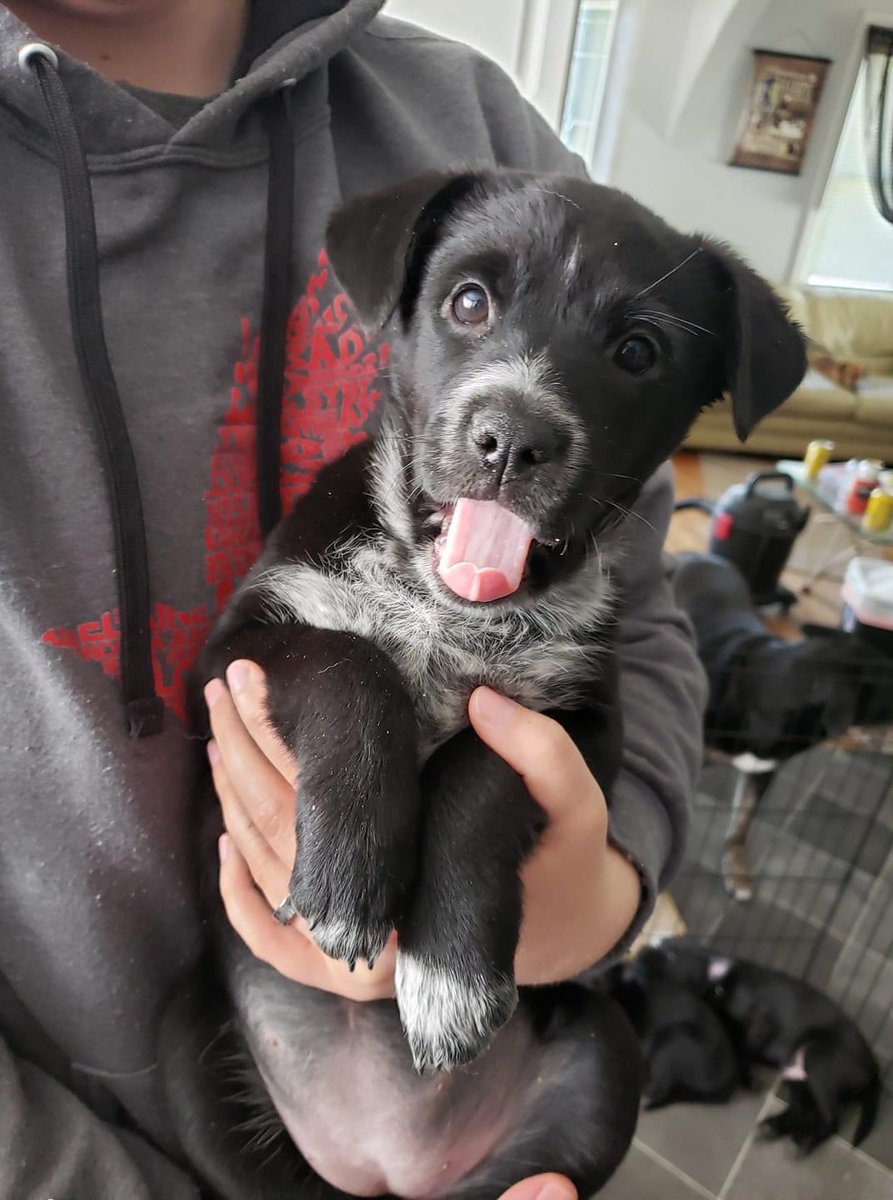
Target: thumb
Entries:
(248, 688)
(535, 746)
(542, 1187)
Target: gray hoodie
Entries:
(97, 899)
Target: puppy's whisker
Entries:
(560, 195)
(656, 318)
(621, 510)
(670, 324)
(667, 274)
(616, 475)
(624, 511)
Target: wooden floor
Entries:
(707, 476)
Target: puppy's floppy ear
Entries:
(378, 243)
(765, 352)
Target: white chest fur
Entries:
(542, 655)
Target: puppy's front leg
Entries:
(340, 706)
(455, 961)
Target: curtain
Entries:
(879, 118)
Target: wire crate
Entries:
(819, 852)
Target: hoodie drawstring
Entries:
(143, 707)
(276, 308)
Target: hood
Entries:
(286, 40)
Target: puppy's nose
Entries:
(512, 444)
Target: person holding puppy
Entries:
(169, 167)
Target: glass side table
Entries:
(848, 537)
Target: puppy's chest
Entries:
(442, 653)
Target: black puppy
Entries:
(769, 698)
(552, 343)
(785, 1022)
(688, 1052)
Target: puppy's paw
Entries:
(346, 920)
(736, 874)
(805, 1143)
(450, 1015)
(350, 939)
(772, 1128)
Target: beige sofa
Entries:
(851, 328)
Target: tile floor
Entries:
(813, 914)
(687, 1151)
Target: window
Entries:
(587, 76)
(850, 244)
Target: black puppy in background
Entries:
(769, 698)
(784, 1022)
(552, 343)
(688, 1052)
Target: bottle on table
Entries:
(864, 483)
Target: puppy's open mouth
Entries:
(483, 550)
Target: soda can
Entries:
(817, 455)
(879, 514)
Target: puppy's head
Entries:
(651, 963)
(860, 675)
(553, 343)
(682, 959)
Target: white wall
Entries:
(492, 26)
(680, 112)
(679, 80)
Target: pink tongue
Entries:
(486, 551)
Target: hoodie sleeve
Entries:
(662, 686)
(519, 136)
(52, 1145)
(662, 692)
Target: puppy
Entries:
(688, 1052)
(785, 1022)
(769, 697)
(552, 343)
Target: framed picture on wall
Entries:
(780, 111)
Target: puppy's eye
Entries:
(636, 355)
(471, 305)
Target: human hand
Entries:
(541, 1187)
(255, 778)
(580, 893)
